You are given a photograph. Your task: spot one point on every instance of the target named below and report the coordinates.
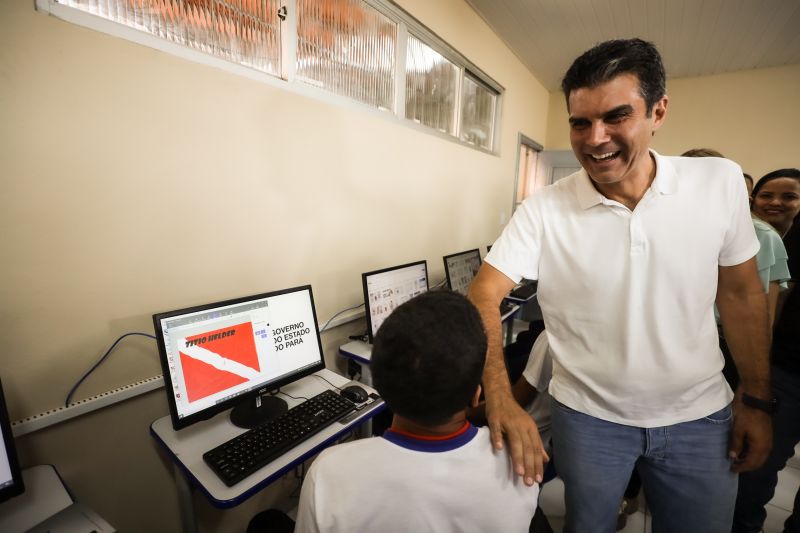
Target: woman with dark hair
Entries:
(776, 199)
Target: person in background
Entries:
(630, 254)
(432, 470)
(530, 391)
(748, 180)
(777, 194)
(776, 198)
(701, 152)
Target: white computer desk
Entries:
(186, 448)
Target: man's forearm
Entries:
(486, 293)
(495, 375)
(745, 325)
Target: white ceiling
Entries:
(695, 37)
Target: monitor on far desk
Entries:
(386, 289)
(461, 268)
(229, 354)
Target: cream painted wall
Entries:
(135, 182)
(749, 116)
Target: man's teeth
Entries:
(602, 157)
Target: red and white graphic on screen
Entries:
(229, 347)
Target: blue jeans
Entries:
(684, 469)
(757, 488)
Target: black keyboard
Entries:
(524, 292)
(505, 307)
(236, 459)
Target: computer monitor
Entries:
(10, 475)
(229, 354)
(386, 289)
(461, 269)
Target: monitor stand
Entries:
(252, 413)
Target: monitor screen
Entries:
(386, 289)
(10, 475)
(461, 269)
(220, 354)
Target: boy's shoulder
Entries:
(380, 447)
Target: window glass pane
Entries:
(242, 31)
(431, 84)
(477, 113)
(348, 48)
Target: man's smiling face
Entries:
(610, 129)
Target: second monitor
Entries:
(386, 289)
(461, 269)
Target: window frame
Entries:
(286, 79)
(524, 141)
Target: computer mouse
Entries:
(355, 394)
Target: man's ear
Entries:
(659, 112)
(477, 396)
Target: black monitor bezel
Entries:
(180, 423)
(364, 277)
(17, 486)
(447, 270)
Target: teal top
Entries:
(771, 258)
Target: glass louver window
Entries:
(347, 47)
(241, 31)
(431, 87)
(478, 104)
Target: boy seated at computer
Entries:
(432, 470)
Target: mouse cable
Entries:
(98, 363)
(323, 328)
(329, 383)
(292, 397)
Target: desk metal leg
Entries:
(364, 431)
(509, 325)
(185, 502)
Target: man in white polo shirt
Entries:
(631, 254)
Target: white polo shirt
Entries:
(627, 296)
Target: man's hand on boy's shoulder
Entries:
(508, 420)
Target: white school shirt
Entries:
(627, 296)
(397, 483)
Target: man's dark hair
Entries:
(775, 174)
(428, 357)
(609, 59)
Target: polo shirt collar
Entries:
(665, 182)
